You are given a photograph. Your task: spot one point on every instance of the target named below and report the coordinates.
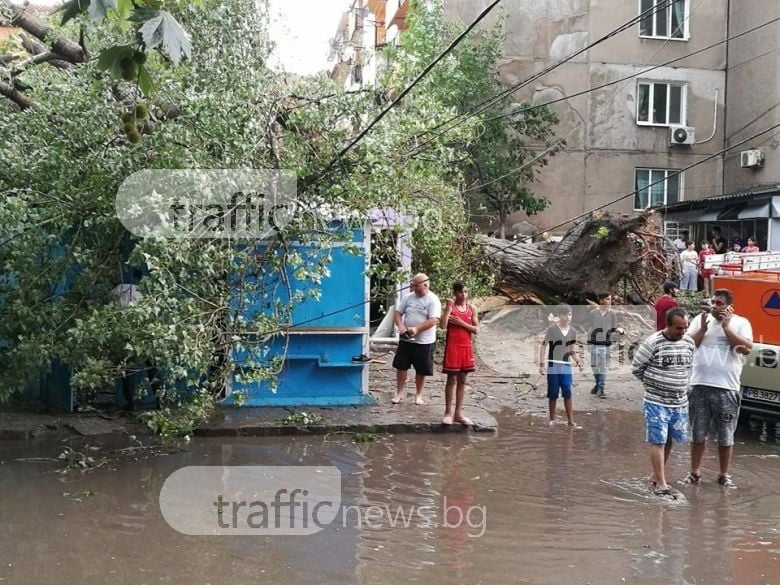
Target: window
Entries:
(660, 104)
(657, 187)
(663, 19)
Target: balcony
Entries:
(395, 13)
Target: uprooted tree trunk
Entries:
(592, 258)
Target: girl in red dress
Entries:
(461, 323)
(706, 273)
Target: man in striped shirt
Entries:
(663, 363)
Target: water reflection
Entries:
(562, 506)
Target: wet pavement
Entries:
(544, 505)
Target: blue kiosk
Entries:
(317, 352)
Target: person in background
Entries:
(736, 238)
(706, 273)
(679, 243)
(751, 247)
(603, 324)
(663, 303)
(460, 321)
(663, 363)
(717, 241)
(556, 353)
(690, 267)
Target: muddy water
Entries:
(562, 506)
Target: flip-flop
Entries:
(465, 421)
(664, 493)
(397, 399)
(419, 401)
(447, 420)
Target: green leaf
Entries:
(110, 58)
(72, 9)
(142, 14)
(164, 30)
(145, 80)
(100, 8)
(124, 8)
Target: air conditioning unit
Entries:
(751, 159)
(681, 135)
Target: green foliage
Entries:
(364, 437)
(602, 233)
(181, 419)
(500, 157)
(63, 251)
(295, 419)
(691, 301)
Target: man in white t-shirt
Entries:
(416, 317)
(722, 340)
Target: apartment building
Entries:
(656, 98)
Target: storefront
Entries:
(748, 214)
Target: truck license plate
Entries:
(764, 395)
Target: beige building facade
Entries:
(666, 93)
(619, 137)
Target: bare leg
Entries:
(419, 383)
(667, 452)
(552, 410)
(724, 458)
(449, 389)
(459, 395)
(697, 454)
(569, 408)
(400, 382)
(657, 459)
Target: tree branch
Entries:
(37, 59)
(15, 96)
(68, 50)
(35, 48)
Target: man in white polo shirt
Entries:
(416, 317)
(722, 340)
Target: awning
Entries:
(755, 211)
(709, 215)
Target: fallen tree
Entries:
(598, 255)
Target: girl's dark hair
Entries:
(558, 310)
(458, 286)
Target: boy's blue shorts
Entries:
(559, 381)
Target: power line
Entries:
(635, 191)
(637, 74)
(409, 88)
(575, 218)
(489, 102)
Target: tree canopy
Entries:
(89, 126)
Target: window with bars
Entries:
(656, 187)
(664, 19)
(660, 103)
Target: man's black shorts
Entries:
(419, 355)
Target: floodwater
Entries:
(543, 505)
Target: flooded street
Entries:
(542, 505)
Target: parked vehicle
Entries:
(757, 297)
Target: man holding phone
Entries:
(722, 340)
